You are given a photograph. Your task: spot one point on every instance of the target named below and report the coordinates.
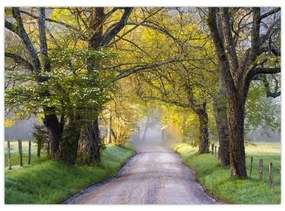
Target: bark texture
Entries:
(69, 143)
(90, 143)
(220, 108)
(236, 134)
(203, 129)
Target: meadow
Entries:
(216, 179)
(47, 181)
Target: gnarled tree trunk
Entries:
(236, 134)
(90, 138)
(203, 129)
(69, 143)
(220, 108)
(53, 127)
(90, 143)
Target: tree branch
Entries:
(271, 12)
(23, 34)
(127, 72)
(168, 101)
(271, 30)
(156, 28)
(229, 39)
(255, 34)
(263, 70)
(112, 31)
(220, 50)
(20, 60)
(274, 94)
(134, 44)
(43, 41)
(12, 27)
(130, 30)
(57, 22)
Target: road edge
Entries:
(96, 186)
(206, 191)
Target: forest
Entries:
(92, 75)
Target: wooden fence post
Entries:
(9, 155)
(39, 145)
(48, 148)
(29, 152)
(219, 153)
(20, 152)
(251, 162)
(215, 151)
(212, 149)
(271, 174)
(261, 169)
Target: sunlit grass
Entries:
(247, 191)
(50, 182)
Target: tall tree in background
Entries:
(239, 63)
(182, 83)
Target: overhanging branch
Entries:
(274, 94)
(112, 31)
(129, 71)
(20, 60)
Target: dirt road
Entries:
(155, 175)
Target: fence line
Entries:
(20, 152)
(9, 155)
(271, 174)
(260, 169)
(251, 163)
(29, 152)
(216, 150)
(20, 149)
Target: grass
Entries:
(217, 179)
(50, 182)
(15, 157)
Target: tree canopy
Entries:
(94, 73)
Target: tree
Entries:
(184, 82)
(37, 66)
(236, 70)
(57, 84)
(122, 114)
(220, 107)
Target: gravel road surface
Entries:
(155, 175)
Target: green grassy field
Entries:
(15, 157)
(49, 182)
(217, 180)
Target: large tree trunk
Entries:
(203, 129)
(90, 142)
(236, 135)
(220, 108)
(53, 127)
(69, 143)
